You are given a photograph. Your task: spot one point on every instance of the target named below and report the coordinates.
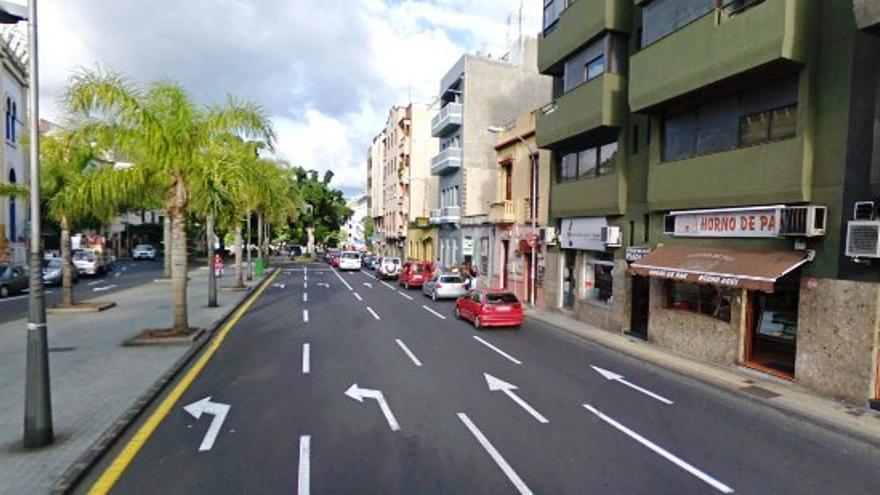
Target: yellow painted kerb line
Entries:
(111, 475)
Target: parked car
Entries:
(13, 279)
(490, 308)
(445, 286)
(330, 254)
(349, 260)
(415, 273)
(144, 252)
(389, 267)
(89, 262)
(53, 272)
(374, 263)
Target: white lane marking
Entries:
(438, 315)
(493, 453)
(117, 275)
(367, 284)
(13, 298)
(305, 285)
(409, 353)
(721, 487)
(373, 313)
(496, 384)
(499, 351)
(405, 295)
(305, 297)
(307, 367)
(215, 409)
(369, 274)
(102, 289)
(124, 268)
(306, 315)
(358, 296)
(611, 376)
(359, 394)
(342, 280)
(386, 284)
(305, 465)
(96, 282)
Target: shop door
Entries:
(529, 282)
(569, 279)
(771, 343)
(505, 249)
(640, 305)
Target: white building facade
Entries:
(13, 167)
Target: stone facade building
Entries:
(13, 167)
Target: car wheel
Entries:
(4, 292)
(434, 295)
(477, 323)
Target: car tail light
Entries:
(517, 306)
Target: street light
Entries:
(38, 399)
(533, 269)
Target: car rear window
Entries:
(504, 298)
(350, 255)
(451, 280)
(83, 256)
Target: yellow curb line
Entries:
(112, 474)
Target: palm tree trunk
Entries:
(250, 269)
(166, 238)
(260, 239)
(66, 265)
(239, 282)
(178, 258)
(212, 275)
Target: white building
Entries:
(354, 227)
(13, 169)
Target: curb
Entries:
(76, 472)
(817, 421)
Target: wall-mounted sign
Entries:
(467, 247)
(422, 222)
(739, 222)
(635, 253)
(582, 233)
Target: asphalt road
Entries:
(291, 427)
(126, 274)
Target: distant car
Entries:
(490, 308)
(389, 267)
(329, 255)
(445, 286)
(374, 263)
(53, 273)
(13, 279)
(89, 262)
(415, 273)
(144, 252)
(349, 260)
(334, 260)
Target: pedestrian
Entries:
(218, 266)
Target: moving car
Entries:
(13, 279)
(445, 286)
(144, 252)
(415, 273)
(389, 267)
(53, 272)
(490, 308)
(334, 260)
(349, 260)
(89, 262)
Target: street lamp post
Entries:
(38, 401)
(533, 269)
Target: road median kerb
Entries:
(95, 453)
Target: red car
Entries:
(334, 260)
(415, 273)
(490, 308)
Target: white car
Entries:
(349, 260)
(143, 252)
(389, 267)
(89, 262)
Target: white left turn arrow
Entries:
(367, 284)
(496, 384)
(359, 394)
(216, 409)
(280, 286)
(323, 284)
(614, 377)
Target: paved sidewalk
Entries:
(94, 378)
(855, 421)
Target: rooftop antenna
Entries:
(520, 19)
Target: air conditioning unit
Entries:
(611, 236)
(548, 236)
(863, 239)
(863, 210)
(806, 221)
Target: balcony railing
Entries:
(451, 214)
(503, 211)
(447, 161)
(447, 120)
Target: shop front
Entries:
(513, 262)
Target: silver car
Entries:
(445, 286)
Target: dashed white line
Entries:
(307, 367)
(404, 294)
(358, 296)
(386, 284)
(438, 315)
(305, 285)
(373, 313)
(305, 297)
(342, 280)
(409, 353)
(499, 351)
(305, 465)
(493, 453)
(306, 315)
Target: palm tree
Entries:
(168, 133)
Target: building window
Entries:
(591, 162)
(598, 279)
(552, 10)
(663, 17)
(13, 120)
(8, 126)
(587, 64)
(704, 299)
(595, 67)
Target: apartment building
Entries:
(476, 93)
(354, 226)
(716, 177)
(410, 189)
(13, 169)
(376, 190)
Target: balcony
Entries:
(435, 217)
(446, 162)
(451, 214)
(592, 105)
(579, 23)
(599, 196)
(771, 35)
(503, 212)
(867, 15)
(447, 121)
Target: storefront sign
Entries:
(467, 247)
(422, 222)
(635, 253)
(582, 233)
(757, 222)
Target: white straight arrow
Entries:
(367, 284)
(359, 394)
(322, 284)
(496, 384)
(216, 409)
(610, 375)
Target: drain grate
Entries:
(760, 392)
(62, 349)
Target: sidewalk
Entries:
(94, 379)
(851, 420)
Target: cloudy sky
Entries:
(326, 70)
